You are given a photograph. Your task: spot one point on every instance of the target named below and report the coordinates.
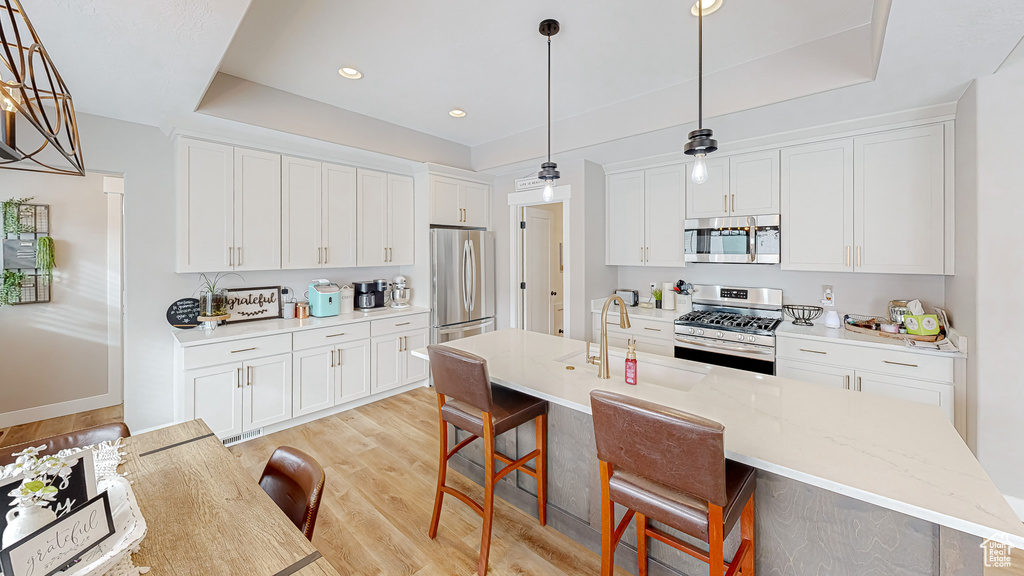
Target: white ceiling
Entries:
(420, 59)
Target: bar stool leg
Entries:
(747, 533)
(442, 470)
(607, 523)
(641, 544)
(485, 536)
(542, 469)
(716, 552)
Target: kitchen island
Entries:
(847, 483)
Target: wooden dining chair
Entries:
(76, 439)
(294, 480)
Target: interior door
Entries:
(301, 214)
(402, 225)
(267, 394)
(312, 380)
(218, 397)
(537, 269)
(257, 210)
(339, 216)
(352, 371)
(665, 214)
(624, 244)
(206, 206)
(710, 199)
(372, 191)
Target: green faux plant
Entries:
(44, 256)
(10, 290)
(656, 293)
(12, 220)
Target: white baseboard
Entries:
(8, 419)
(1017, 504)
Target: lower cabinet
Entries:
(652, 336)
(831, 376)
(329, 376)
(242, 396)
(393, 363)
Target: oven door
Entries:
(749, 357)
(726, 240)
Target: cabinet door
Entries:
(665, 207)
(476, 204)
(817, 207)
(754, 183)
(218, 397)
(831, 376)
(257, 210)
(313, 375)
(934, 393)
(301, 213)
(372, 191)
(353, 371)
(414, 369)
(710, 199)
(339, 216)
(445, 208)
(899, 185)
(267, 394)
(403, 221)
(205, 189)
(624, 234)
(386, 361)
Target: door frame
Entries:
(517, 201)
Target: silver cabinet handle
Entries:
(239, 255)
(847, 255)
(231, 256)
(238, 378)
(647, 254)
(900, 364)
(335, 335)
(326, 255)
(318, 253)
(243, 350)
(641, 254)
(812, 351)
(858, 384)
(858, 256)
(846, 382)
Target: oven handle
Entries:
(732, 348)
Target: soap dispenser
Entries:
(631, 362)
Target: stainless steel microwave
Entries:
(734, 240)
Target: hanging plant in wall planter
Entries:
(13, 226)
(10, 290)
(44, 257)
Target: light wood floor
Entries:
(381, 467)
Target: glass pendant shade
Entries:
(700, 170)
(549, 191)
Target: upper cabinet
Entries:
(386, 219)
(710, 199)
(645, 213)
(742, 185)
(455, 202)
(242, 209)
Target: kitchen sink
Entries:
(666, 372)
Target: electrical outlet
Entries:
(828, 297)
(654, 286)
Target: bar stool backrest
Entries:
(676, 449)
(461, 376)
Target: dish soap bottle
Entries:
(631, 362)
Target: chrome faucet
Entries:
(602, 360)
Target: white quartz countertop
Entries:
(822, 333)
(658, 314)
(228, 332)
(892, 453)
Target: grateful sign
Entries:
(58, 545)
(245, 304)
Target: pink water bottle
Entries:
(631, 363)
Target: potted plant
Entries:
(35, 493)
(10, 290)
(13, 225)
(213, 299)
(657, 297)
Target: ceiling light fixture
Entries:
(350, 73)
(457, 113)
(44, 103)
(706, 7)
(702, 141)
(548, 170)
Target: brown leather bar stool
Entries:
(294, 480)
(485, 412)
(670, 466)
(76, 439)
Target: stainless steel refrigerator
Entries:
(462, 283)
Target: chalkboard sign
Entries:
(184, 313)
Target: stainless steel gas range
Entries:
(731, 326)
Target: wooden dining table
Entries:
(205, 514)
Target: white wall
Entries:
(57, 352)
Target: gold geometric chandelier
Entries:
(32, 94)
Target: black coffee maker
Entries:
(370, 294)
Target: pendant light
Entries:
(701, 141)
(548, 170)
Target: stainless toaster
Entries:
(630, 297)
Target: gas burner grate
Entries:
(731, 320)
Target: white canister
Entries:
(288, 310)
(348, 298)
(668, 296)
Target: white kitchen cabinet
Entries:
(313, 378)
(318, 211)
(338, 220)
(652, 336)
(455, 202)
(645, 214)
(817, 207)
(831, 376)
(710, 199)
(217, 391)
(393, 363)
(936, 394)
(899, 201)
(386, 219)
(267, 394)
(205, 182)
(415, 369)
(257, 207)
(352, 371)
(754, 183)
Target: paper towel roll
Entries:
(668, 296)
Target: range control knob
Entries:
(700, 332)
(691, 330)
(751, 338)
(718, 334)
(740, 337)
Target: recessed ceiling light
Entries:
(350, 73)
(708, 6)
(457, 113)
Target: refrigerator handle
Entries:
(465, 275)
(472, 286)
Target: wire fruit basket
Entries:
(802, 314)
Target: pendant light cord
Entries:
(549, 98)
(700, 65)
